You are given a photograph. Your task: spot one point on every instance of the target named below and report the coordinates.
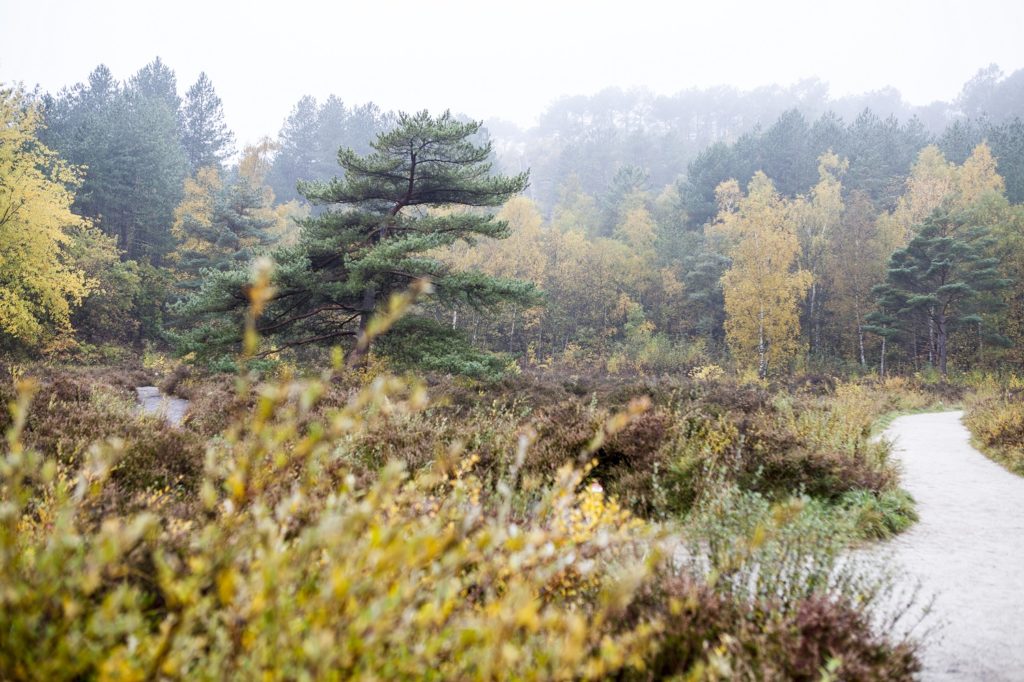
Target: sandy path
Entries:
(967, 550)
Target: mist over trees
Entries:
(623, 225)
(414, 395)
(309, 140)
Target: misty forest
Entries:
(722, 384)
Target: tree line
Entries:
(877, 244)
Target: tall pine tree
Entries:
(128, 140)
(425, 186)
(204, 135)
(941, 281)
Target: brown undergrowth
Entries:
(218, 535)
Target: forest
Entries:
(602, 398)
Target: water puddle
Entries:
(152, 401)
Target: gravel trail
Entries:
(967, 550)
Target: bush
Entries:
(994, 413)
(294, 574)
(696, 435)
(777, 445)
(291, 562)
(879, 516)
(76, 409)
(799, 601)
(708, 636)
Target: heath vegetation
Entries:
(612, 417)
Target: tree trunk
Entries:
(815, 335)
(932, 343)
(881, 370)
(358, 355)
(512, 327)
(860, 344)
(762, 350)
(860, 338)
(369, 303)
(981, 346)
(940, 343)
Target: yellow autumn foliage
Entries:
(764, 285)
(38, 285)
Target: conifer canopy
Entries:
(383, 225)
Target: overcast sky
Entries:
(507, 59)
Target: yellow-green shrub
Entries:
(994, 413)
(294, 571)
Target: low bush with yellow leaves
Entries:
(994, 413)
(286, 566)
(289, 569)
(285, 561)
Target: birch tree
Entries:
(764, 284)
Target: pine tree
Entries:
(296, 156)
(222, 224)
(939, 282)
(156, 81)
(205, 136)
(128, 140)
(426, 186)
(307, 146)
(152, 169)
(705, 304)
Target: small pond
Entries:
(152, 401)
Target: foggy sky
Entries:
(506, 59)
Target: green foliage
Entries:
(127, 138)
(313, 133)
(877, 517)
(127, 301)
(351, 258)
(434, 347)
(994, 412)
(205, 137)
(942, 280)
(107, 313)
(220, 225)
(880, 152)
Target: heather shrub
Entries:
(291, 566)
(76, 409)
(696, 435)
(757, 591)
(821, 638)
(775, 444)
(293, 570)
(994, 413)
(706, 635)
(801, 604)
